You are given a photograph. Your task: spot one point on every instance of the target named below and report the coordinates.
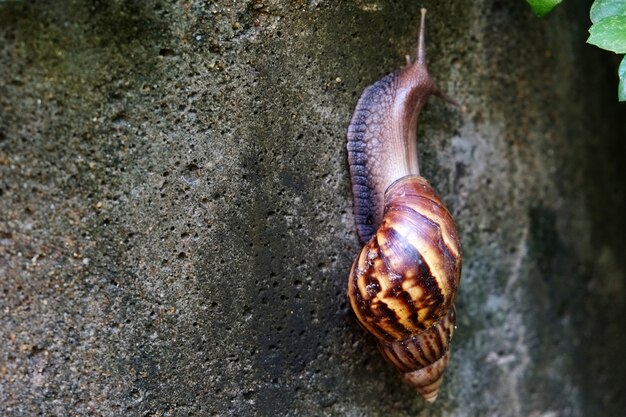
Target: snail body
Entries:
(403, 284)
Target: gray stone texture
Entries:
(176, 223)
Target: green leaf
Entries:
(621, 90)
(609, 33)
(602, 9)
(542, 7)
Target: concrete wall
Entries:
(176, 223)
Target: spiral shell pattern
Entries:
(403, 284)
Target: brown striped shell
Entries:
(403, 284)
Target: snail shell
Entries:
(403, 284)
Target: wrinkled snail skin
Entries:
(403, 284)
(381, 138)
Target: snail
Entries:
(402, 285)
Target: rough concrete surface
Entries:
(176, 224)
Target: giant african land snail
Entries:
(403, 284)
